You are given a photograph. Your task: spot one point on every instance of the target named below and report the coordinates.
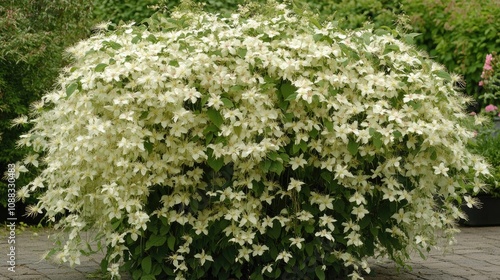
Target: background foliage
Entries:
(33, 36)
(457, 33)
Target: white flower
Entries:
(203, 257)
(325, 234)
(297, 162)
(285, 256)
(259, 250)
(295, 185)
(359, 212)
(441, 169)
(297, 241)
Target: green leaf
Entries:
(287, 90)
(215, 117)
(390, 48)
(273, 155)
(266, 164)
(309, 249)
(215, 163)
(285, 157)
(100, 67)
(327, 176)
(148, 146)
(242, 52)
(174, 63)
(320, 273)
(155, 241)
(309, 228)
(275, 231)
(116, 224)
(443, 74)
(377, 140)
(352, 147)
(171, 242)
(136, 274)
(136, 39)
(71, 88)
(227, 103)
(433, 154)
(152, 38)
(328, 125)
(291, 97)
(277, 167)
(397, 134)
(113, 45)
(146, 264)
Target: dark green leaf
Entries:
(215, 117)
(320, 273)
(287, 89)
(171, 242)
(276, 167)
(275, 231)
(155, 241)
(146, 264)
(215, 163)
(352, 147)
(148, 146)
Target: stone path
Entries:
(475, 257)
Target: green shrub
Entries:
(137, 11)
(33, 37)
(260, 145)
(355, 14)
(487, 144)
(457, 33)
(124, 10)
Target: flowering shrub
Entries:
(490, 82)
(250, 146)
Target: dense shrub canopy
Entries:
(263, 145)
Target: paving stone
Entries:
(476, 256)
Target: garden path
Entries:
(476, 256)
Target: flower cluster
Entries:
(491, 110)
(490, 80)
(203, 145)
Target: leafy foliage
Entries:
(263, 144)
(34, 36)
(487, 144)
(457, 33)
(124, 10)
